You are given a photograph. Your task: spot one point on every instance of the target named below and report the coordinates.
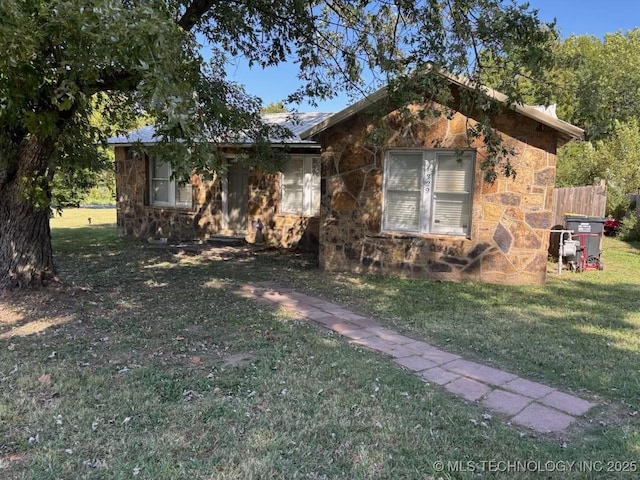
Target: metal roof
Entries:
(143, 135)
(295, 122)
(543, 116)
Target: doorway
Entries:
(237, 196)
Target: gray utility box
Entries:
(588, 225)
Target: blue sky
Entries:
(593, 17)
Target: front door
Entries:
(237, 198)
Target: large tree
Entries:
(598, 81)
(166, 58)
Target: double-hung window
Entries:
(164, 190)
(300, 193)
(428, 191)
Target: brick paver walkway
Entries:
(526, 403)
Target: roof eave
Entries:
(129, 144)
(559, 125)
(526, 110)
(345, 113)
(308, 144)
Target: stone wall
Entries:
(511, 218)
(282, 230)
(136, 218)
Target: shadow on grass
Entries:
(70, 240)
(577, 333)
(17, 321)
(633, 244)
(572, 332)
(160, 314)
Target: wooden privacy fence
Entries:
(590, 201)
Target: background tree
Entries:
(594, 81)
(58, 56)
(599, 81)
(596, 85)
(274, 107)
(91, 178)
(615, 159)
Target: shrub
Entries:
(630, 228)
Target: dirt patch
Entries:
(239, 359)
(616, 413)
(9, 316)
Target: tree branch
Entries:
(194, 12)
(121, 80)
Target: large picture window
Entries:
(165, 191)
(301, 186)
(428, 191)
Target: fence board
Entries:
(590, 201)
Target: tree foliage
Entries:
(596, 84)
(615, 159)
(621, 155)
(594, 81)
(58, 53)
(599, 81)
(599, 88)
(274, 107)
(81, 175)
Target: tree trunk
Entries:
(26, 257)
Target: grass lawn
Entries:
(142, 365)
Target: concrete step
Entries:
(226, 240)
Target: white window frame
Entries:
(172, 188)
(308, 190)
(428, 195)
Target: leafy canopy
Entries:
(615, 159)
(57, 57)
(596, 84)
(275, 107)
(594, 81)
(601, 81)
(599, 88)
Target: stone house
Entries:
(375, 191)
(152, 204)
(408, 197)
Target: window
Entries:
(165, 191)
(301, 186)
(428, 191)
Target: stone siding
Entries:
(137, 219)
(511, 218)
(280, 229)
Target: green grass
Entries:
(580, 331)
(79, 217)
(140, 381)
